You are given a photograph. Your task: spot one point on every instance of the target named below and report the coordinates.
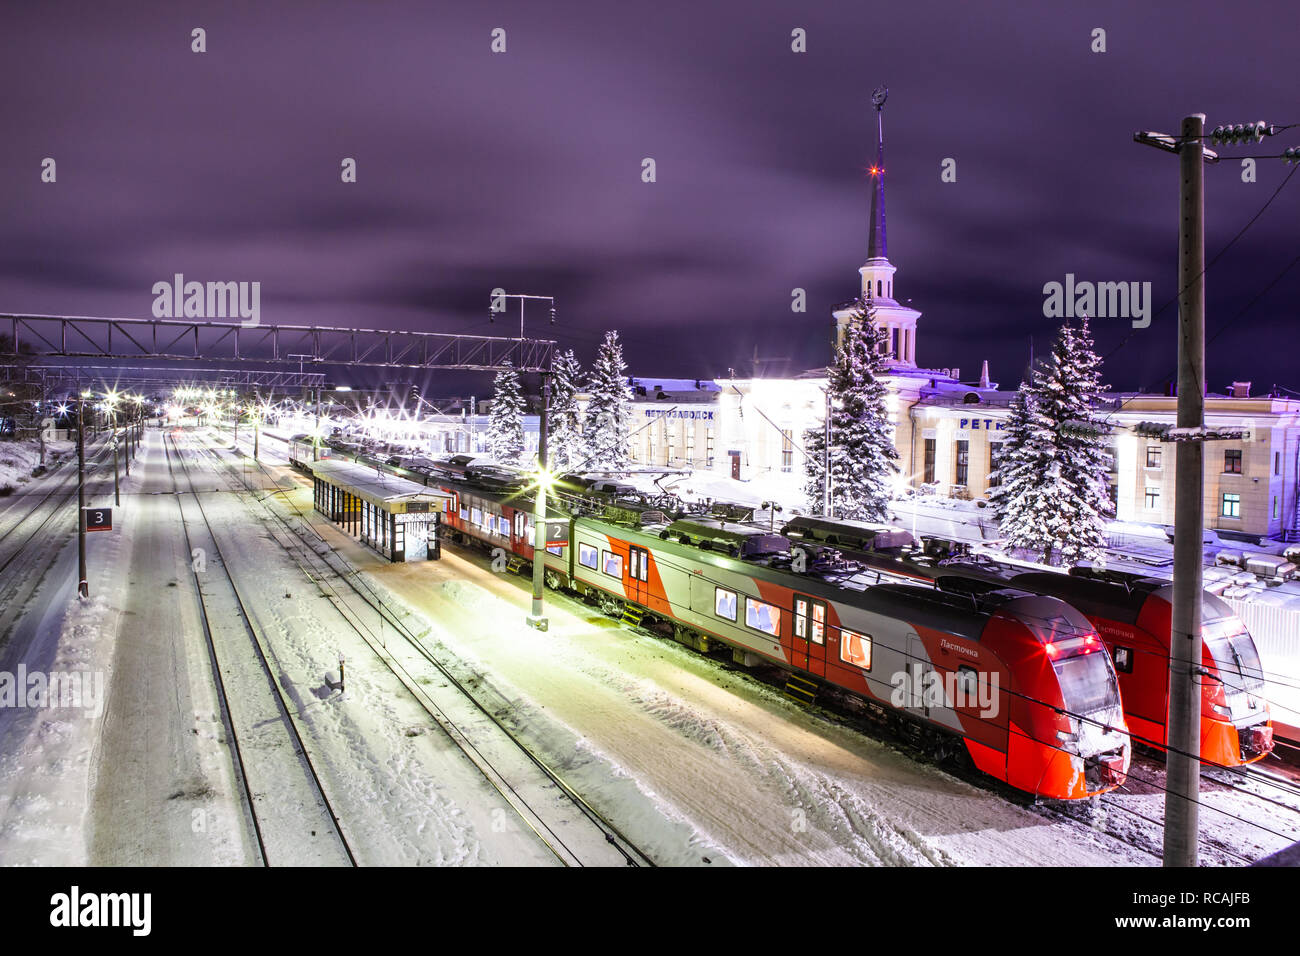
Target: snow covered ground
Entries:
(698, 763)
(18, 458)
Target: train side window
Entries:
(763, 617)
(968, 686)
(464, 513)
(503, 526)
(855, 649)
(587, 556)
(613, 565)
(1123, 657)
(724, 603)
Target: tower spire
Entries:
(877, 247)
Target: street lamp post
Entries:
(83, 587)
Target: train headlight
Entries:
(1221, 710)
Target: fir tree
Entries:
(609, 411)
(862, 454)
(505, 437)
(564, 443)
(1052, 497)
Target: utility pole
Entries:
(40, 422)
(537, 618)
(117, 495)
(1182, 797)
(1183, 758)
(83, 586)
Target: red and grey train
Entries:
(1132, 615)
(1019, 681)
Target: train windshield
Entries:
(1087, 683)
(1234, 653)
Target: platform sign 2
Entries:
(98, 519)
(557, 533)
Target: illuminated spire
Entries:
(877, 248)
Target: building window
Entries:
(929, 462)
(855, 649)
(1153, 497)
(1232, 461)
(995, 455)
(1231, 506)
(963, 461)
(587, 556)
(1153, 456)
(787, 450)
(763, 617)
(1277, 508)
(724, 603)
(1277, 463)
(668, 446)
(708, 448)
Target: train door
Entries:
(919, 684)
(638, 574)
(809, 634)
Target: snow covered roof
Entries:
(652, 385)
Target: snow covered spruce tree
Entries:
(505, 437)
(609, 412)
(564, 443)
(1052, 497)
(862, 456)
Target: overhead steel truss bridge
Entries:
(80, 336)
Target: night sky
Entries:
(523, 169)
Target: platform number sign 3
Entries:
(99, 519)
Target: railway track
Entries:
(283, 809)
(584, 839)
(64, 490)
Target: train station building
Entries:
(950, 433)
